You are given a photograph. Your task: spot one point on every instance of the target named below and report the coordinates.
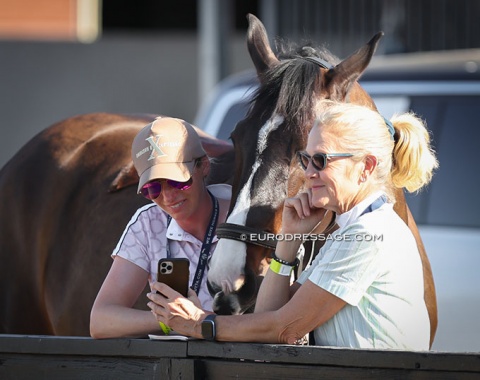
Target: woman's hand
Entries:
(299, 214)
(177, 312)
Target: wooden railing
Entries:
(47, 357)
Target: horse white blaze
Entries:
(227, 262)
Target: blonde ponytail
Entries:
(414, 160)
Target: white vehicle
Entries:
(444, 89)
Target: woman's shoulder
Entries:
(381, 222)
(377, 220)
(148, 212)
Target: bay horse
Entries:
(65, 199)
(266, 172)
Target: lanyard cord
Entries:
(207, 242)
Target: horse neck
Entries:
(400, 206)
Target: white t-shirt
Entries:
(373, 264)
(144, 242)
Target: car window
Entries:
(450, 199)
(234, 114)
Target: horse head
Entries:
(265, 142)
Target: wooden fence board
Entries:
(221, 370)
(45, 344)
(424, 360)
(47, 357)
(47, 367)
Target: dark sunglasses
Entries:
(152, 190)
(318, 160)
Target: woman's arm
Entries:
(276, 290)
(112, 313)
(310, 307)
(299, 217)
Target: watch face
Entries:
(208, 327)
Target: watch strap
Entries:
(210, 317)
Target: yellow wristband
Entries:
(281, 269)
(166, 330)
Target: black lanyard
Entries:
(207, 242)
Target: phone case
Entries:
(175, 273)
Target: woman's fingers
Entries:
(174, 310)
(157, 304)
(192, 296)
(168, 302)
(299, 215)
(159, 299)
(166, 290)
(298, 206)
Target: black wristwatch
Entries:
(208, 327)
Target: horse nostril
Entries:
(226, 304)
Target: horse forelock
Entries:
(286, 88)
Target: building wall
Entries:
(152, 67)
(44, 82)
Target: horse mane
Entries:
(286, 88)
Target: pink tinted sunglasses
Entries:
(152, 190)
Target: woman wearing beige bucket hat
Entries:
(172, 167)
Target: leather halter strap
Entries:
(245, 235)
(318, 61)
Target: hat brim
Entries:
(177, 171)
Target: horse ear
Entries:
(347, 72)
(258, 46)
(126, 177)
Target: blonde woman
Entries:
(365, 287)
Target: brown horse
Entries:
(65, 198)
(266, 171)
